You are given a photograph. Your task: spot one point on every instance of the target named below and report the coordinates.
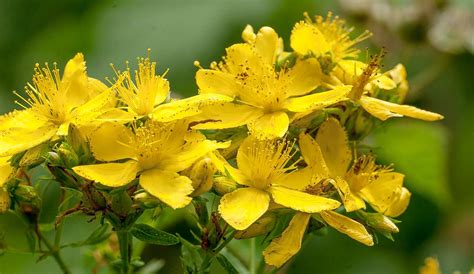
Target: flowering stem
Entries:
(54, 250)
(253, 264)
(124, 240)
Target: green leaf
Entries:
(417, 149)
(151, 235)
(192, 256)
(226, 264)
(99, 235)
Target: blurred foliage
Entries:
(440, 218)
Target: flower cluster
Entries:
(273, 136)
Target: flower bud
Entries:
(77, 141)
(201, 174)
(380, 222)
(68, 156)
(121, 203)
(28, 199)
(363, 124)
(223, 185)
(4, 200)
(262, 226)
(146, 201)
(61, 175)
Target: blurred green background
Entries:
(433, 38)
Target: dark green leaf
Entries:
(226, 264)
(151, 235)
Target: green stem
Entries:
(55, 253)
(125, 240)
(210, 255)
(253, 263)
(57, 235)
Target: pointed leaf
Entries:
(151, 235)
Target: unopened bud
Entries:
(146, 201)
(201, 174)
(262, 226)
(27, 196)
(68, 156)
(121, 203)
(363, 124)
(77, 140)
(4, 200)
(379, 222)
(223, 185)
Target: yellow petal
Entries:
(75, 81)
(400, 204)
(305, 76)
(95, 107)
(302, 201)
(23, 119)
(225, 168)
(243, 207)
(312, 154)
(183, 108)
(383, 191)
(346, 225)
(318, 100)
(215, 81)
(117, 115)
(226, 115)
(191, 152)
(332, 140)
(169, 187)
(112, 141)
(270, 126)
(248, 35)
(17, 140)
(306, 38)
(95, 87)
(384, 110)
(281, 249)
(5, 170)
(266, 44)
(242, 57)
(384, 82)
(351, 202)
(299, 180)
(110, 174)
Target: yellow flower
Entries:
(325, 38)
(263, 170)
(347, 72)
(156, 152)
(312, 180)
(52, 103)
(380, 187)
(5, 173)
(431, 266)
(265, 98)
(379, 108)
(147, 94)
(5, 170)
